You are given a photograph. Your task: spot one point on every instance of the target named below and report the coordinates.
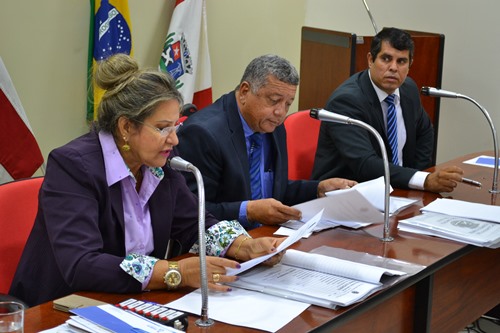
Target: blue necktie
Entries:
(392, 128)
(254, 160)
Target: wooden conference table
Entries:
(460, 283)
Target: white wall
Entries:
(44, 45)
(241, 30)
(472, 32)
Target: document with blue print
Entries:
(483, 160)
(109, 318)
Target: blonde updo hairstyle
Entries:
(130, 92)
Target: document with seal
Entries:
(457, 228)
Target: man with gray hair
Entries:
(239, 145)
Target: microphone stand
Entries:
(336, 118)
(179, 164)
(371, 17)
(433, 92)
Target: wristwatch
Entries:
(172, 277)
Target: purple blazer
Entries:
(78, 239)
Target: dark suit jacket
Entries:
(213, 140)
(78, 239)
(352, 152)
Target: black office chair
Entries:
(187, 110)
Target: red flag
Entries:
(185, 52)
(20, 155)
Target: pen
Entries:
(471, 182)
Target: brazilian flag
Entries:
(110, 33)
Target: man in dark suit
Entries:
(352, 152)
(217, 140)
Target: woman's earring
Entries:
(125, 146)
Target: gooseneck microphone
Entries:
(179, 164)
(325, 115)
(434, 92)
(371, 17)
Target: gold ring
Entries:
(216, 277)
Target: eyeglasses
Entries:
(165, 131)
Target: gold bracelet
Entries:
(236, 252)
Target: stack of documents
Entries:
(108, 318)
(311, 278)
(299, 280)
(316, 279)
(242, 300)
(462, 221)
(355, 207)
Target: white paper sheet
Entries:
(374, 192)
(465, 209)
(355, 208)
(284, 231)
(317, 279)
(342, 206)
(243, 308)
(464, 230)
(307, 228)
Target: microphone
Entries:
(188, 109)
(433, 92)
(325, 115)
(179, 164)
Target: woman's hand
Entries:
(243, 248)
(216, 272)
